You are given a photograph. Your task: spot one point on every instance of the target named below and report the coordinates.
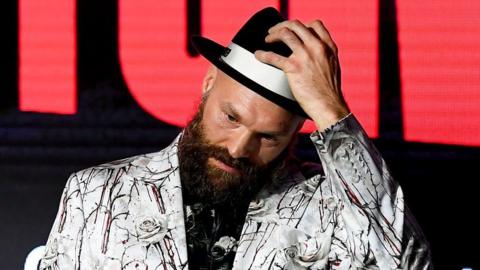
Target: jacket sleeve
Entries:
(65, 242)
(374, 228)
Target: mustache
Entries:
(244, 165)
(222, 155)
(202, 181)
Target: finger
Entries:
(286, 36)
(297, 27)
(272, 58)
(323, 34)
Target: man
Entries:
(228, 193)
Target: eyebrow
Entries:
(231, 110)
(228, 107)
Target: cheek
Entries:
(213, 130)
(268, 154)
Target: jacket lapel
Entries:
(163, 171)
(272, 219)
(273, 223)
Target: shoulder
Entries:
(142, 167)
(121, 166)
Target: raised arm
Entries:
(374, 229)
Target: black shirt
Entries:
(212, 234)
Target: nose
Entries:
(242, 145)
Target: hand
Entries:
(313, 70)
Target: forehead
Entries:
(251, 107)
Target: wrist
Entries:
(327, 118)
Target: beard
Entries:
(208, 184)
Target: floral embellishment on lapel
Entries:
(151, 229)
(223, 247)
(303, 255)
(291, 252)
(299, 250)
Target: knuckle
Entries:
(290, 67)
(289, 38)
(320, 48)
(273, 58)
(284, 31)
(260, 55)
(296, 23)
(294, 66)
(317, 23)
(318, 52)
(288, 35)
(267, 56)
(334, 48)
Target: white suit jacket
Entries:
(347, 213)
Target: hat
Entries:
(238, 60)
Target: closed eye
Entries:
(269, 137)
(231, 118)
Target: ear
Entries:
(209, 79)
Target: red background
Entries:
(438, 54)
(88, 81)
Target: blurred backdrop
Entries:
(86, 82)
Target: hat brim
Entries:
(213, 51)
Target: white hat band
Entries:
(267, 76)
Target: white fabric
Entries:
(267, 76)
(129, 214)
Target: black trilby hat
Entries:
(238, 60)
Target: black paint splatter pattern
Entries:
(347, 213)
